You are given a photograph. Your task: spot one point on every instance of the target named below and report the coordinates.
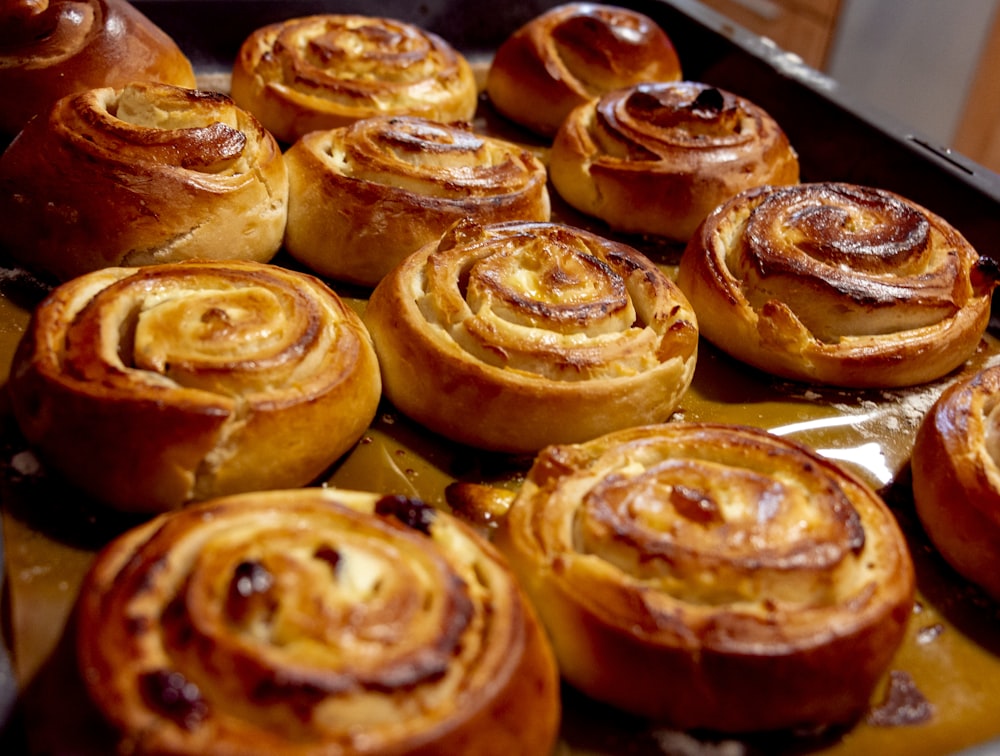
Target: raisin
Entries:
(411, 512)
(174, 696)
(250, 579)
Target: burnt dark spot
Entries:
(709, 100)
(174, 696)
(986, 272)
(411, 512)
(644, 101)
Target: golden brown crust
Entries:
(837, 284)
(53, 48)
(326, 71)
(572, 54)
(153, 386)
(956, 477)
(712, 576)
(656, 158)
(149, 173)
(513, 336)
(363, 197)
(314, 621)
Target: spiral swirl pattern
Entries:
(53, 48)
(838, 283)
(365, 196)
(658, 157)
(314, 621)
(535, 333)
(712, 575)
(193, 379)
(326, 71)
(571, 54)
(956, 477)
(147, 174)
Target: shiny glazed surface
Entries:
(952, 645)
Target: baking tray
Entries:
(952, 648)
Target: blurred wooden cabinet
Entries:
(978, 133)
(809, 27)
(804, 27)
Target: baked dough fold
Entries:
(515, 335)
(325, 71)
(571, 54)
(956, 477)
(363, 197)
(314, 621)
(839, 284)
(53, 48)
(711, 576)
(145, 174)
(657, 157)
(151, 387)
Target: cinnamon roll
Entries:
(516, 335)
(149, 173)
(838, 284)
(326, 71)
(150, 387)
(656, 158)
(53, 48)
(955, 470)
(363, 197)
(572, 54)
(712, 576)
(314, 621)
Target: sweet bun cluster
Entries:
(632, 143)
(53, 48)
(194, 365)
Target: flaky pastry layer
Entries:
(839, 284)
(145, 174)
(151, 387)
(956, 477)
(325, 71)
(514, 335)
(657, 157)
(365, 196)
(571, 54)
(711, 576)
(314, 621)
